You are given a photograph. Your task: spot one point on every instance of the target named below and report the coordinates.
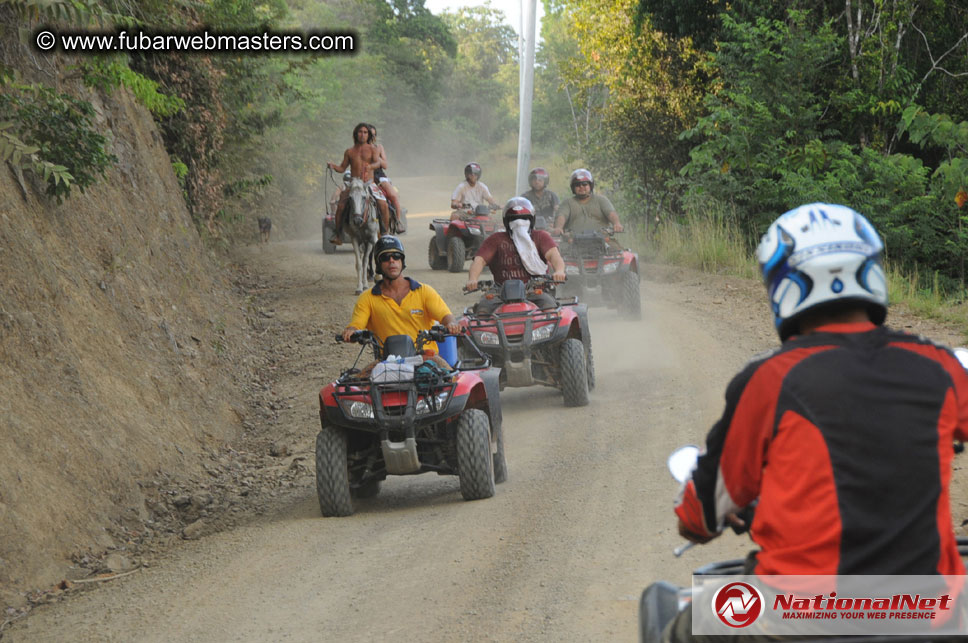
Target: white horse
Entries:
(362, 223)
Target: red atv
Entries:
(533, 346)
(455, 241)
(601, 274)
(403, 415)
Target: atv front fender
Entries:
(581, 311)
(440, 232)
(491, 377)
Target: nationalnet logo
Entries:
(830, 605)
(897, 607)
(738, 604)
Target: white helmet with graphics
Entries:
(821, 255)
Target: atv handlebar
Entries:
(606, 231)
(437, 333)
(358, 337)
(483, 285)
(488, 285)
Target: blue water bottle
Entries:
(448, 349)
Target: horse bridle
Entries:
(367, 202)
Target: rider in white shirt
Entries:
(470, 191)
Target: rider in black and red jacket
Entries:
(844, 434)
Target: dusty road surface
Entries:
(561, 552)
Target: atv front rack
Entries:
(401, 416)
(518, 346)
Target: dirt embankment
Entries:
(123, 348)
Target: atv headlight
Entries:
(610, 267)
(488, 339)
(423, 407)
(360, 410)
(542, 332)
(572, 270)
(474, 230)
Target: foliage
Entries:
(770, 141)
(226, 102)
(19, 154)
(78, 12)
(247, 185)
(697, 20)
(707, 238)
(413, 44)
(195, 135)
(631, 90)
(107, 75)
(484, 75)
(764, 133)
(56, 128)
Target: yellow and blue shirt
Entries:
(420, 309)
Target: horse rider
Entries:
(361, 159)
(383, 181)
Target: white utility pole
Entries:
(526, 92)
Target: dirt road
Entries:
(560, 553)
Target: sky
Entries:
(511, 9)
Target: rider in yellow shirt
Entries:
(398, 305)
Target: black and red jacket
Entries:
(845, 435)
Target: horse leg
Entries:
(359, 265)
(370, 261)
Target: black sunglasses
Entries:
(387, 256)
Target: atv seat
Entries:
(513, 290)
(399, 345)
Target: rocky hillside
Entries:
(121, 349)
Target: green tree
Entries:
(639, 89)
(482, 86)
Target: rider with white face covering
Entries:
(518, 252)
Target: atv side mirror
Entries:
(682, 462)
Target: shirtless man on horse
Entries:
(362, 158)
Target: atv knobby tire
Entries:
(436, 261)
(456, 254)
(574, 379)
(629, 298)
(328, 233)
(590, 366)
(332, 472)
(474, 462)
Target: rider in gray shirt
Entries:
(585, 211)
